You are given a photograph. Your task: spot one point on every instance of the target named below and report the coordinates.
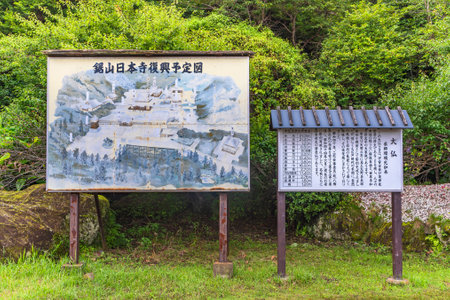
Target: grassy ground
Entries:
(181, 267)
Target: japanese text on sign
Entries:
(151, 67)
(340, 160)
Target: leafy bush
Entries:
(12, 11)
(437, 237)
(115, 237)
(375, 47)
(304, 208)
(427, 146)
(277, 72)
(149, 207)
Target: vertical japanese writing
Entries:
(296, 158)
(333, 155)
(306, 159)
(385, 157)
(379, 159)
(343, 159)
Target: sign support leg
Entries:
(74, 234)
(223, 228)
(281, 233)
(397, 267)
(397, 235)
(100, 222)
(223, 267)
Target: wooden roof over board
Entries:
(131, 52)
(340, 118)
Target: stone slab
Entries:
(72, 266)
(223, 269)
(393, 281)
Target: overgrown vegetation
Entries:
(306, 53)
(180, 267)
(427, 147)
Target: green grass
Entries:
(176, 268)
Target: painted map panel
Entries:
(148, 123)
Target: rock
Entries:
(345, 224)
(33, 217)
(418, 202)
(357, 224)
(393, 281)
(223, 269)
(89, 276)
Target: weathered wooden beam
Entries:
(131, 52)
(341, 117)
(388, 112)
(377, 115)
(291, 121)
(316, 117)
(327, 111)
(352, 113)
(280, 121)
(302, 116)
(400, 112)
(366, 117)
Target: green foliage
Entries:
(277, 72)
(153, 207)
(5, 157)
(306, 23)
(303, 23)
(31, 256)
(304, 208)
(438, 239)
(23, 74)
(371, 49)
(377, 46)
(176, 270)
(436, 40)
(60, 245)
(115, 237)
(13, 10)
(22, 111)
(367, 54)
(20, 183)
(146, 243)
(427, 146)
(149, 230)
(430, 236)
(22, 132)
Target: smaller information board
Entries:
(340, 160)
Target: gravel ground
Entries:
(418, 201)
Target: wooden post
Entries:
(223, 267)
(281, 233)
(281, 221)
(100, 222)
(397, 235)
(74, 235)
(223, 228)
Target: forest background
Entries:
(321, 53)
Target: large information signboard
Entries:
(340, 160)
(340, 150)
(150, 123)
